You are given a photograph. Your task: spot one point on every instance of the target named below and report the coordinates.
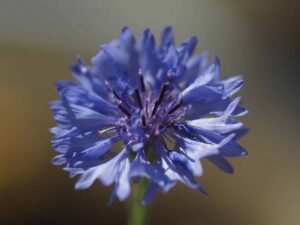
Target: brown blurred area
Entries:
(259, 39)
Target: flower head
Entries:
(166, 108)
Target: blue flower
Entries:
(167, 109)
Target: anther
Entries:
(138, 97)
(170, 75)
(116, 95)
(143, 121)
(142, 83)
(123, 109)
(157, 131)
(107, 84)
(106, 130)
(160, 98)
(176, 107)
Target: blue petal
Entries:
(108, 63)
(198, 149)
(206, 106)
(98, 149)
(181, 160)
(231, 149)
(222, 124)
(195, 67)
(130, 56)
(171, 57)
(123, 184)
(127, 40)
(78, 167)
(150, 193)
(201, 95)
(147, 40)
(85, 118)
(186, 48)
(221, 163)
(59, 160)
(177, 172)
(200, 88)
(142, 168)
(79, 96)
(232, 85)
(61, 133)
(107, 173)
(149, 60)
(213, 106)
(90, 81)
(167, 37)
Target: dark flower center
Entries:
(147, 113)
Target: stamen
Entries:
(169, 124)
(116, 95)
(137, 93)
(170, 75)
(142, 83)
(123, 109)
(157, 131)
(176, 107)
(162, 93)
(107, 84)
(143, 121)
(160, 98)
(106, 130)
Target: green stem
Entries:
(138, 213)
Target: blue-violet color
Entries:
(141, 110)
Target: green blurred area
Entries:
(260, 39)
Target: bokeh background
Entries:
(257, 38)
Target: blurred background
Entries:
(257, 38)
